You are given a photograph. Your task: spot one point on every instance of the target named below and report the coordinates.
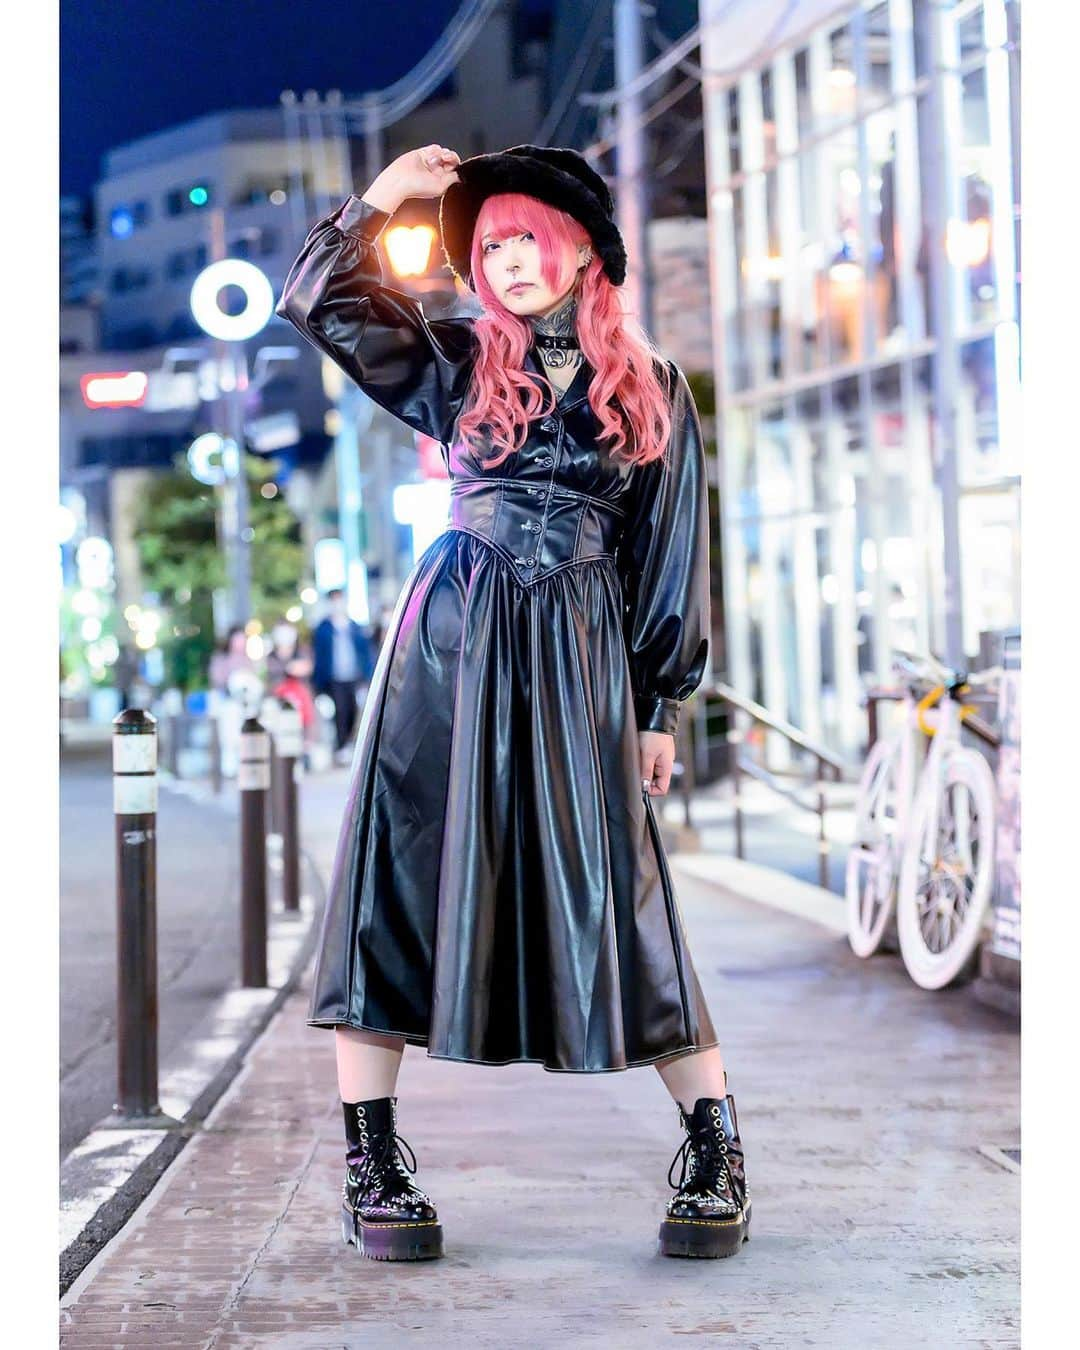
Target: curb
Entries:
(766, 886)
(104, 1179)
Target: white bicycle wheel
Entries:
(945, 880)
(872, 864)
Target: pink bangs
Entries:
(625, 392)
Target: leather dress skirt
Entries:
(500, 890)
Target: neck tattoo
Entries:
(555, 337)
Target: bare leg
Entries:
(367, 1063)
(692, 1074)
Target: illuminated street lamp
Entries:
(409, 249)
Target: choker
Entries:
(559, 342)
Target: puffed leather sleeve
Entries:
(414, 367)
(663, 561)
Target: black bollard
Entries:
(268, 715)
(135, 811)
(289, 747)
(215, 756)
(253, 781)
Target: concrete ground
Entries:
(863, 1104)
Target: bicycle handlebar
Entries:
(923, 668)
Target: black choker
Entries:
(559, 342)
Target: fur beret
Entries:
(561, 177)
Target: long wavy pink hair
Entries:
(625, 392)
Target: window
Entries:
(194, 197)
(272, 189)
(126, 279)
(185, 262)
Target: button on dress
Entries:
(500, 891)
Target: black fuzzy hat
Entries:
(561, 177)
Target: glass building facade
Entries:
(863, 194)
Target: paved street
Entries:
(863, 1103)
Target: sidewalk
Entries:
(110, 1171)
(863, 1102)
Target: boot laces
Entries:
(385, 1157)
(704, 1158)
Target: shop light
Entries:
(145, 639)
(85, 602)
(967, 242)
(94, 561)
(90, 628)
(424, 507)
(294, 613)
(114, 388)
(409, 249)
(309, 595)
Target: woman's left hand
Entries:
(657, 760)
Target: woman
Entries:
(500, 892)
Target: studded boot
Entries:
(709, 1214)
(383, 1213)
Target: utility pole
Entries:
(233, 518)
(631, 185)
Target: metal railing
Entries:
(695, 746)
(829, 765)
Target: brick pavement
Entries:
(862, 1101)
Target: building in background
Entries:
(864, 225)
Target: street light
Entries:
(409, 249)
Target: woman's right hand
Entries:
(426, 172)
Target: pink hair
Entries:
(625, 392)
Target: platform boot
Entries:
(383, 1213)
(709, 1214)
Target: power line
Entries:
(576, 77)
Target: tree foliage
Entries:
(183, 563)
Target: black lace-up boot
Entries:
(383, 1212)
(709, 1214)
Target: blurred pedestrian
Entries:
(343, 661)
(236, 678)
(289, 666)
(126, 673)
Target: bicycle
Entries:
(922, 867)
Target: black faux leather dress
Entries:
(500, 891)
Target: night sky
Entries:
(131, 67)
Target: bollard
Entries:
(135, 810)
(268, 716)
(215, 756)
(289, 747)
(253, 780)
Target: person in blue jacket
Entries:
(343, 661)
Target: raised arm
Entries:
(334, 295)
(663, 560)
